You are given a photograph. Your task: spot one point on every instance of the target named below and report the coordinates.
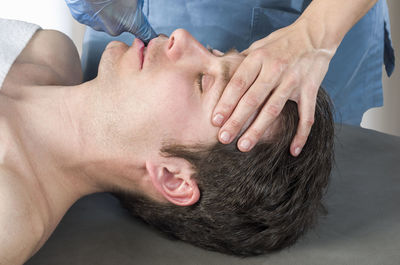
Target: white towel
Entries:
(14, 35)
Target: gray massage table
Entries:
(361, 228)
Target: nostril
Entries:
(171, 42)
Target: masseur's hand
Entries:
(113, 16)
(286, 65)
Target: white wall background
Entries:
(54, 14)
(49, 14)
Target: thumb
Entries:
(140, 26)
(145, 32)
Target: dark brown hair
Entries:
(251, 203)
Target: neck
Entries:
(65, 147)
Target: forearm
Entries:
(328, 21)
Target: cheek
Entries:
(175, 102)
(177, 106)
(186, 119)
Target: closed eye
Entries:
(225, 67)
(200, 81)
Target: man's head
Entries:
(174, 85)
(160, 94)
(194, 188)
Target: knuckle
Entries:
(282, 96)
(273, 110)
(256, 134)
(267, 83)
(251, 100)
(279, 65)
(301, 139)
(293, 80)
(284, 93)
(225, 108)
(235, 124)
(282, 61)
(309, 122)
(238, 83)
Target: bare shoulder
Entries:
(21, 230)
(56, 50)
(49, 58)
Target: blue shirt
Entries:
(354, 78)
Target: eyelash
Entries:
(200, 77)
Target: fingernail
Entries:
(218, 119)
(297, 151)
(225, 136)
(245, 144)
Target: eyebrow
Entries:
(226, 67)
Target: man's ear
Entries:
(171, 176)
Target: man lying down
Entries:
(142, 130)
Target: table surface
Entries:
(362, 226)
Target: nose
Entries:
(182, 44)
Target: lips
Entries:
(147, 48)
(143, 50)
(140, 48)
(144, 55)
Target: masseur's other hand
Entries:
(113, 16)
(286, 65)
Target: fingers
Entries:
(240, 82)
(247, 106)
(268, 114)
(306, 108)
(144, 31)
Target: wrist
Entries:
(327, 22)
(320, 36)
